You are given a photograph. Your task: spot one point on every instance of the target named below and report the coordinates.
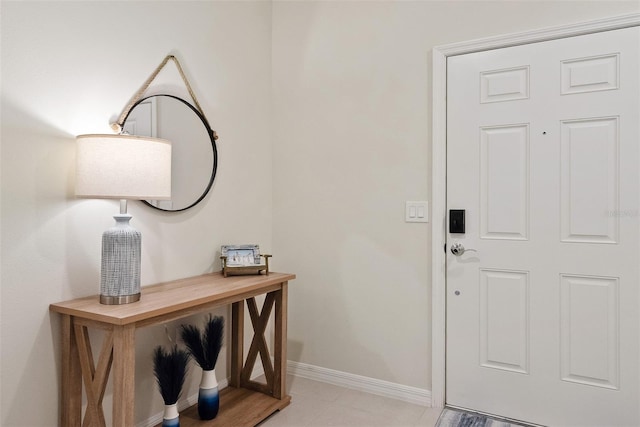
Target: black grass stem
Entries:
(170, 370)
(205, 346)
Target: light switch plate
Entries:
(416, 212)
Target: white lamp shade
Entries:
(123, 167)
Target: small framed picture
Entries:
(241, 255)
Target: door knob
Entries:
(458, 249)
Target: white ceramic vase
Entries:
(171, 418)
(208, 397)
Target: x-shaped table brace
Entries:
(241, 373)
(95, 378)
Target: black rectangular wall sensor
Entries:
(456, 221)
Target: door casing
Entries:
(439, 172)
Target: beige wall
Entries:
(70, 68)
(352, 129)
(344, 112)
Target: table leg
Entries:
(280, 344)
(124, 375)
(237, 342)
(71, 380)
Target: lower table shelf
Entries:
(239, 407)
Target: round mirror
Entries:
(194, 156)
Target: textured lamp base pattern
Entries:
(120, 272)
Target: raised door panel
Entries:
(590, 180)
(504, 182)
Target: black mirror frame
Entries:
(212, 137)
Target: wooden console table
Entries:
(243, 403)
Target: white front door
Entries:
(543, 156)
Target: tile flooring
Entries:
(317, 404)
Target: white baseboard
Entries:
(405, 393)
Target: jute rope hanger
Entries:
(117, 126)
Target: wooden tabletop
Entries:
(173, 297)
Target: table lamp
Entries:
(122, 167)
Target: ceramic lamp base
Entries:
(120, 270)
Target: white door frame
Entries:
(439, 165)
